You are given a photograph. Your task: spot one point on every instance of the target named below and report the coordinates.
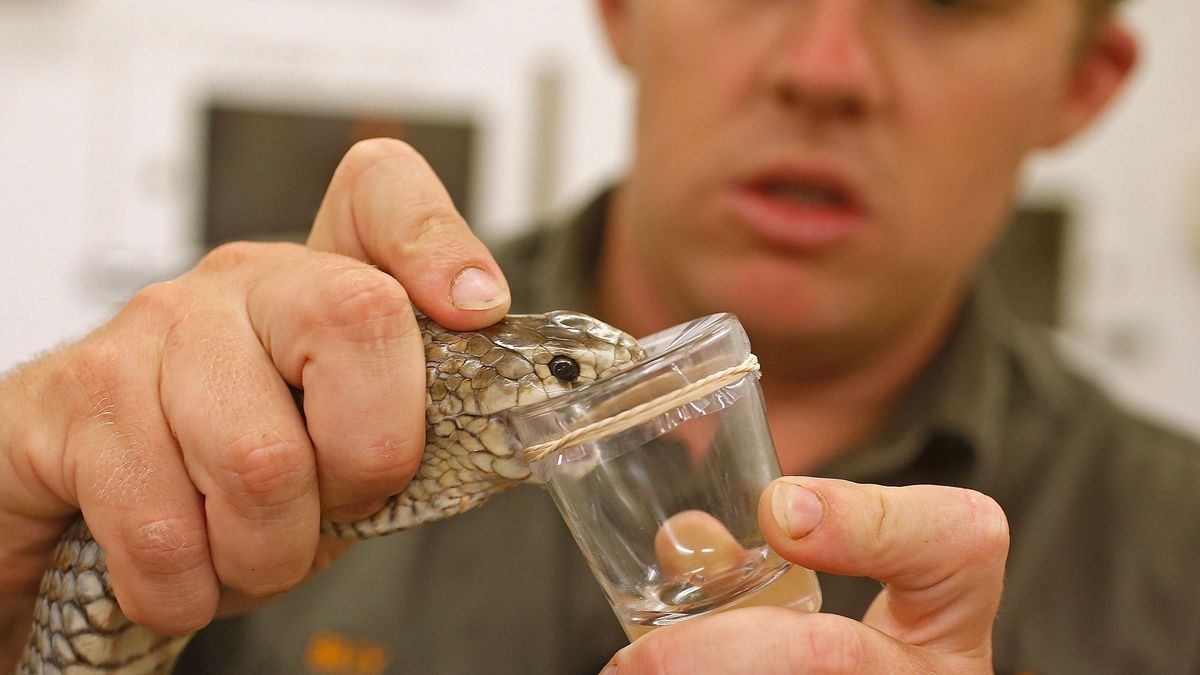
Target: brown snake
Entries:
(469, 457)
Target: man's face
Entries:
(834, 168)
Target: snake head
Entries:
(523, 359)
(568, 349)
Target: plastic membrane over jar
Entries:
(660, 476)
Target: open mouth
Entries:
(797, 211)
(807, 195)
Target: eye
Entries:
(564, 368)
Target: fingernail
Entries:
(475, 289)
(798, 510)
(610, 669)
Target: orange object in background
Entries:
(337, 653)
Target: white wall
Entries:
(1134, 293)
(43, 132)
(99, 141)
(100, 104)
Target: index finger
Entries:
(386, 206)
(940, 552)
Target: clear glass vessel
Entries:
(666, 510)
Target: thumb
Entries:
(386, 206)
(940, 552)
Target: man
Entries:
(832, 171)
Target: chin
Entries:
(781, 327)
(776, 302)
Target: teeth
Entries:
(805, 194)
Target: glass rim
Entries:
(669, 351)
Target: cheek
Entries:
(966, 140)
(690, 92)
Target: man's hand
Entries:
(939, 551)
(172, 427)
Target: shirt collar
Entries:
(951, 425)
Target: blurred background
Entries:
(135, 134)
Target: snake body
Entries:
(469, 457)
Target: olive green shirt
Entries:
(1103, 507)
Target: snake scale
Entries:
(469, 457)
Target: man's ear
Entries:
(615, 14)
(1098, 74)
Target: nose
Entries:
(824, 58)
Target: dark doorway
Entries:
(267, 169)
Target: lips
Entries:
(801, 209)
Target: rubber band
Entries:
(627, 419)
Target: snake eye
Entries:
(564, 368)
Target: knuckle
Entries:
(654, 653)
(366, 153)
(160, 304)
(232, 255)
(90, 367)
(881, 524)
(91, 381)
(167, 547)
(265, 470)
(988, 524)
(431, 221)
(827, 645)
(385, 467)
(358, 296)
(436, 224)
